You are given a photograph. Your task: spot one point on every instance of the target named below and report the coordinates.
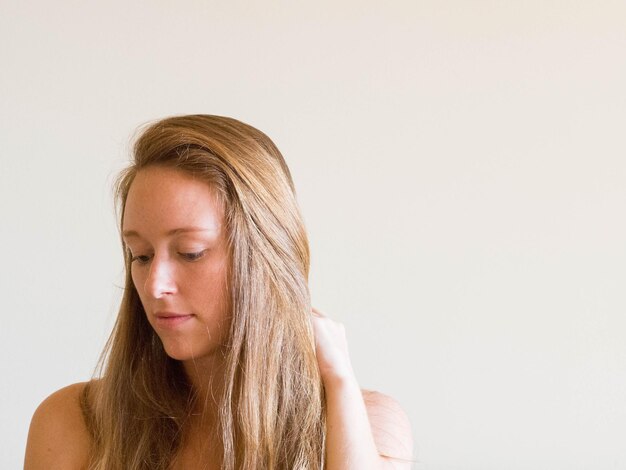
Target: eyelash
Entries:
(191, 257)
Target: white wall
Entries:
(460, 165)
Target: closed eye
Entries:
(193, 256)
(141, 259)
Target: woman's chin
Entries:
(177, 356)
(184, 352)
(178, 352)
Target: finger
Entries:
(317, 313)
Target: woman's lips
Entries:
(172, 320)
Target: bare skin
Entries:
(58, 438)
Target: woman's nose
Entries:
(160, 280)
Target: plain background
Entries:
(460, 166)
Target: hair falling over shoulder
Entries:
(271, 413)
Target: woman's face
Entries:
(174, 228)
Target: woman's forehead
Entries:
(173, 201)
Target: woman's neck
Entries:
(206, 376)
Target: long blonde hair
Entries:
(272, 409)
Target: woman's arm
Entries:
(58, 438)
(354, 439)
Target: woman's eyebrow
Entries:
(176, 231)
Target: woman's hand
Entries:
(350, 443)
(332, 349)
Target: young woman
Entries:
(217, 359)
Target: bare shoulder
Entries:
(58, 437)
(390, 427)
